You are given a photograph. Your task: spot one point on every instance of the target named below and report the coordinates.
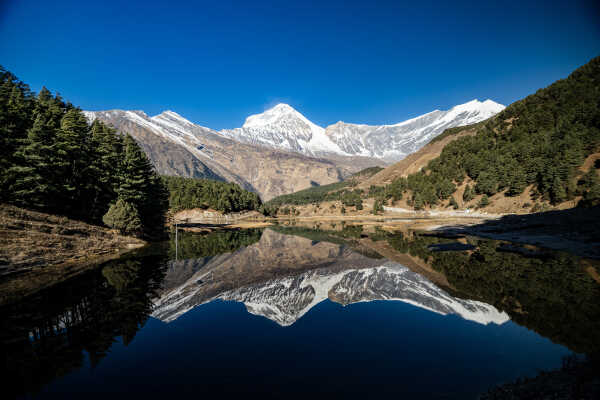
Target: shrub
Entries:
(468, 194)
(123, 216)
(377, 206)
(540, 207)
(453, 203)
(484, 201)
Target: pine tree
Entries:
(418, 201)
(16, 102)
(136, 169)
(484, 201)
(107, 149)
(72, 163)
(377, 206)
(558, 192)
(123, 216)
(54, 162)
(518, 182)
(141, 186)
(33, 185)
(468, 194)
(453, 203)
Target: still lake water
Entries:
(290, 311)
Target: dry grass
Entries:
(38, 250)
(30, 240)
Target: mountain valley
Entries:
(280, 151)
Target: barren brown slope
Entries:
(414, 162)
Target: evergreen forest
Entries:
(188, 193)
(54, 161)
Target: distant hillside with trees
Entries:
(335, 191)
(188, 193)
(540, 141)
(52, 160)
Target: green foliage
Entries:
(540, 207)
(55, 162)
(417, 201)
(377, 206)
(192, 245)
(453, 203)
(188, 193)
(468, 194)
(332, 192)
(550, 294)
(268, 210)
(351, 198)
(455, 131)
(16, 105)
(123, 216)
(484, 201)
(540, 141)
(487, 183)
(367, 172)
(590, 186)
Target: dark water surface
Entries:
(295, 311)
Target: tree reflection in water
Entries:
(48, 335)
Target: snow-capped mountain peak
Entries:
(273, 116)
(284, 127)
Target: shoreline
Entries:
(39, 250)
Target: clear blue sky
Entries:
(371, 62)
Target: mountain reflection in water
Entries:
(307, 272)
(284, 272)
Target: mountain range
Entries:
(280, 151)
(283, 127)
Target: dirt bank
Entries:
(38, 250)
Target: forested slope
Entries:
(539, 142)
(335, 191)
(188, 193)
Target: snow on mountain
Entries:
(285, 128)
(394, 142)
(167, 124)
